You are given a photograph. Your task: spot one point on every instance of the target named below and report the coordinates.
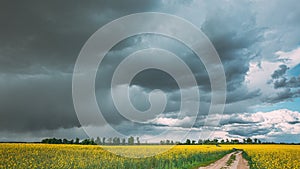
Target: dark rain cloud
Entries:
(279, 72)
(40, 42)
(52, 33)
(43, 38)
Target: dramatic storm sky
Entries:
(258, 43)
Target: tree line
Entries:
(222, 141)
(98, 141)
(136, 141)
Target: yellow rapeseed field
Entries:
(271, 156)
(179, 157)
(93, 156)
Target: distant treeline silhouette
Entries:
(136, 141)
(92, 141)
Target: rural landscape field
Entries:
(179, 157)
(150, 84)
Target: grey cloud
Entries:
(248, 131)
(294, 122)
(54, 44)
(233, 42)
(52, 33)
(286, 94)
(242, 94)
(36, 103)
(280, 83)
(288, 86)
(262, 124)
(280, 21)
(279, 72)
(293, 82)
(38, 135)
(234, 49)
(129, 128)
(234, 119)
(40, 42)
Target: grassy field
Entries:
(79, 156)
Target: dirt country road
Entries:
(238, 163)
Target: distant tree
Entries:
(109, 140)
(138, 140)
(98, 141)
(177, 143)
(123, 141)
(168, 142)
(85, 142)
(130, 140)
(193, 142)
(207, 141)
(77, 140)
(255, 140)
(54, 141)
(249, 140)
(200, 141)
(45, 141)
(88, 142)
(116, 141)
(103, 140)
(65, 141)
(188, 142)
(235, 141)
(222, 141)
(92, 141)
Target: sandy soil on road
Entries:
(218, 164)
(239, 163)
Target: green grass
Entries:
(251, 164)
(231, 160)
(209, 161)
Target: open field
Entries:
(77, 156)
(193, 156)
(272, 156)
